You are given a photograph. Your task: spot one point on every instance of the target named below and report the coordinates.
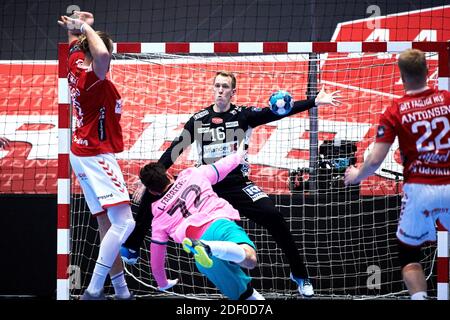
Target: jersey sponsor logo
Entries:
(106, 196)
(217, 120)
(433, 157)
(203, 130)
(102, 124)
(232, 124)
(82, 176)
(219, 150)
(79, 63)
(82, 142)
(201, 114)
(254, 192)
(380, 131)
(256, 109)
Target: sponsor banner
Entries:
(155, 108)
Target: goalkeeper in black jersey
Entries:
(217, 131)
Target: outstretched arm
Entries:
(324, 98)
(374, 160)
(260, 116)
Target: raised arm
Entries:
(100, 55)
(85, 16)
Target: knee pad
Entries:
(124, 229)
(122, 222)
(408, 254)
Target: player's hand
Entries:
(3, 142)
(84, 16)
(139, 192)
(328, 98)
(170, 284)
(350, 176)
(70, 24)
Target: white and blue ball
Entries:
(281, 102)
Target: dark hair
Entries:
(228, 75)
(413, 66)
(154, 177)
(84, 45)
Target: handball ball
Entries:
(281, 102)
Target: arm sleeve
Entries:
(178, 145)
(143, 217)
(157, 260)
(386, 132)
(217, 171)
(257, 117)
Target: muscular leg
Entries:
(412, 271)
(103, 226)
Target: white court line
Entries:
(384, 94)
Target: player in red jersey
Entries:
(98, 135)
(421, 121)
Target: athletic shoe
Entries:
(201, 251)
(131, 297)
(88, 296)
(305, 288)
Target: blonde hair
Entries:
(228, 75)
(84, 45)
(413, 66)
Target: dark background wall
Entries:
(28, 30)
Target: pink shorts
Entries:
(102, 181)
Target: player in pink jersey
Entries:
(191, 213)
(97, 137)
(421, 121)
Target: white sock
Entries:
(98, 279)
(421, 295)
(255, 296)
(226, 250)
(120, 285)
(109, 249)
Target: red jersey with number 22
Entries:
(422, 123)
(98, 107)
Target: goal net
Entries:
(346, 235)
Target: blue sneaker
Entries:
(305, 288)
(129, 256)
